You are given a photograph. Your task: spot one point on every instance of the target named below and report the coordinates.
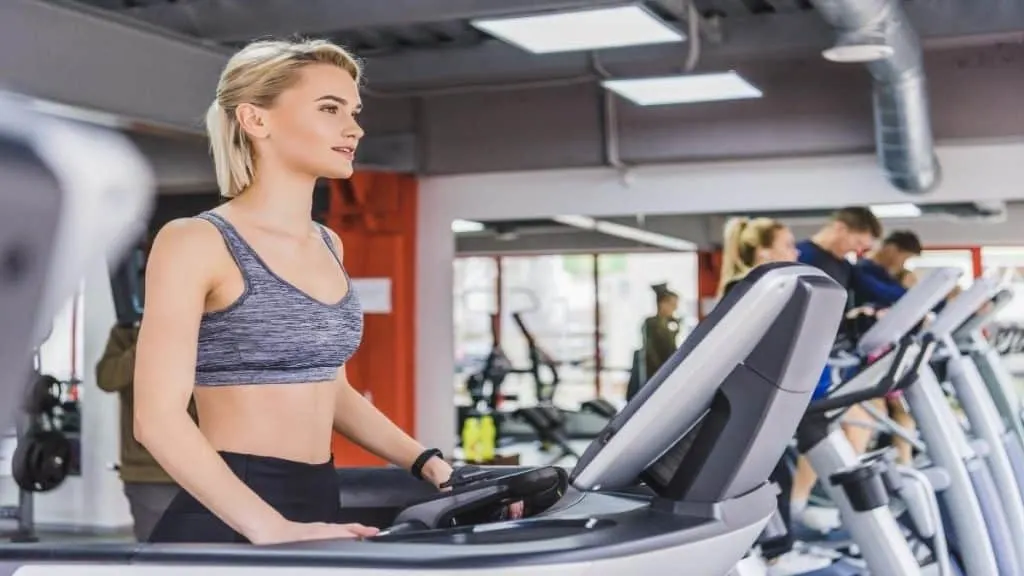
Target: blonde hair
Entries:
(258, 74)
(743, 237)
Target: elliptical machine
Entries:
(886, 358)
(999, 446)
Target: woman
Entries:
(750, 243)
(249, 308)
(661, 330)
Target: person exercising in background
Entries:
(250, 309)
(147, 486)
(851, 230)
(660, 332)
(749, 243)
(888, 264)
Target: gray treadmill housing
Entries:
(965, 305)
(30, 209)
(738, 361)
(60, 213)
(909, 310)
(619, 529)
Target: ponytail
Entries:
(733, 266)
(232, 156)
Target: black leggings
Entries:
(300, 492)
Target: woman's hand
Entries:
(437, 471)
(298, 532)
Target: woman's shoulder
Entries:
(187, 242)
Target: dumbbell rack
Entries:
(24, 512)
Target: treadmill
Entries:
(1002, 447)
(886, 358)
(1000, 383)
(678, 478)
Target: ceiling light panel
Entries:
(596, 29)
(683, 89)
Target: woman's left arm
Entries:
(360, 421)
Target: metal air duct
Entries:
(877, 33)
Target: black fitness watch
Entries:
(421, 461)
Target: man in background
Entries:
(853, 230)
(889, 262)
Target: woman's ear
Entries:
(253, 121)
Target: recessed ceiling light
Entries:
(896, 210)
(683, 89)
(595, 29)
(464, 226)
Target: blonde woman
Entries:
(750, 243)
(249, 308)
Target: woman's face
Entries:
(312, 126)
(783, 248)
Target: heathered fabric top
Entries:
(275, 333)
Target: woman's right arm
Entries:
(179, 275)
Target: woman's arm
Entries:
(178, 277)
(360, 421)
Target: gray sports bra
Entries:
(274, 333)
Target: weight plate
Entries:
(41, 461)
(43, 395)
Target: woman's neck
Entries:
(281, 200)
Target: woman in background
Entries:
(750, 243)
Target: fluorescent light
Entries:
(463, 226)
(595, 29)
(683, 89)
(627, 233)
(584, 222)
(896, 210)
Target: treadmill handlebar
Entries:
(887, 384)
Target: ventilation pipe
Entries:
(877, 33)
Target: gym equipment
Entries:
(984, 419)
(127, 284)
(60, 213)
(1000, 383)
(702, 437)
(885, 358)
(540, 362)
(41, 460)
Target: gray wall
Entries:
(810, 107)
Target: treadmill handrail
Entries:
(886, 384)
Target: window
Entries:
(475, 289)
(627, 299)
(554, 296)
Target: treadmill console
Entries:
(743, 344)
(904, 316)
